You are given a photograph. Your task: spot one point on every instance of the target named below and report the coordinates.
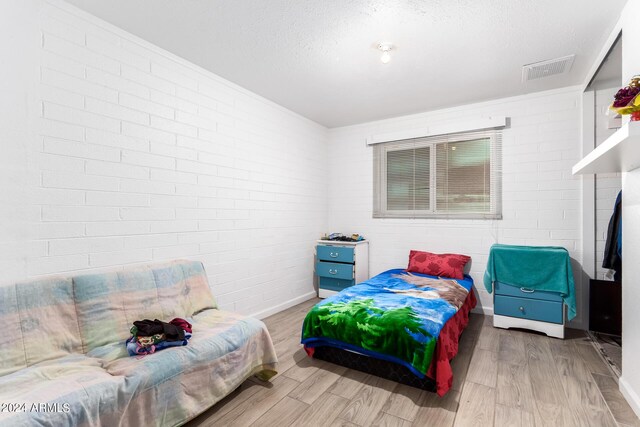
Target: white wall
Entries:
(630, 379)
(18, 82)
(116, 152)
(541, 199)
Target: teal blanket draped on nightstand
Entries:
(543, 268)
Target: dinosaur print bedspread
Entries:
(395, 316)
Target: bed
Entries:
(398, 325)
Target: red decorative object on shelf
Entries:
(627, 99)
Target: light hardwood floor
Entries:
(501, 378)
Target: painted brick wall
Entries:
(122, 153)
(541, 199)
(126, 154)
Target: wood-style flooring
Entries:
(501, 378)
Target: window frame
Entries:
(495, 176)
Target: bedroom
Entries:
(237, 134)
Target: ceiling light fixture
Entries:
(385, 48)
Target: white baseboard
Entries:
(630, 394)
(283, 306)
(577, 325)
(487, 311)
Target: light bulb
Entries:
(385, 48)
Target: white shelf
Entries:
(618, 153)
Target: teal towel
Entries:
(544, 268)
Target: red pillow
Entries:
(447, 265)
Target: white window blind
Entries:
(452, 176)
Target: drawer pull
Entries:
(334, 254)
(521, 308)
(332, 271)
(527, 291)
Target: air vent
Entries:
(547, 68)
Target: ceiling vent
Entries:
(547, 68)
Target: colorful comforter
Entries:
(395, 316)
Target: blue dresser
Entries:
(340, 265)
(519, 307)
(531, 286)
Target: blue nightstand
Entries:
(531, 286)
(340, 265)
(519, 307)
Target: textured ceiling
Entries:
(318, 58)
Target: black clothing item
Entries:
(147, 328)
(612, 258)
(172, 332)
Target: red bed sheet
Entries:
(447, 346)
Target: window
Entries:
(447, 176)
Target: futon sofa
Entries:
(63, 360)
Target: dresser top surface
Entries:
(340, 243)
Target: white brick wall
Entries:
(126, 154)
(541, 199)
(122, 153)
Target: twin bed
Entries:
(403, 325)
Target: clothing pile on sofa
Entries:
(149, 336)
